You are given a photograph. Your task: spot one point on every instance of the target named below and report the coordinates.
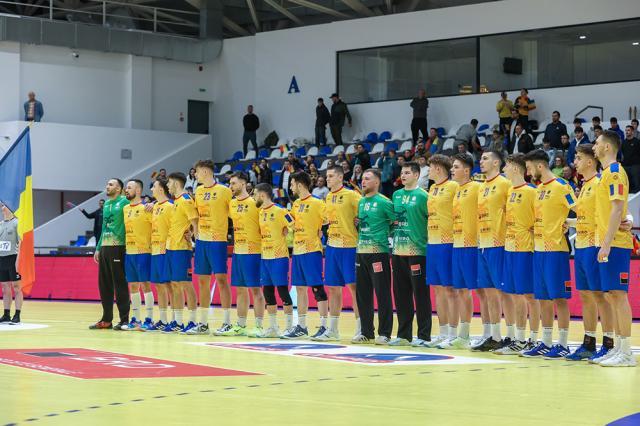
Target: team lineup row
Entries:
(504, 239)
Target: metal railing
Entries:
(601, 109)
(112, 14)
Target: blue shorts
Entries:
(245, 270)
(137, 267)
(159, 269)
(464, 261)
(585, 264)
(490, 265)
(211, 257)
(614, 274)
(339, 266)
(178, 265)
(551, 275)
(517, 276)
(274, 272)
(306, 269)
(438, 266)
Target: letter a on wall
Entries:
(293, 86)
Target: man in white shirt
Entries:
(321, 190)
(423, 180)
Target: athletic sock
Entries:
(589, 340)
(333, 324)
(273, 322)
(259, 322)
(177, 316)
(533, 335)
(563, 337)
(136, 301)
(204, 316)
(511, 331)
(453, 332)
(358, 326)
(463, 330)
(193, 315)
(302, 320)
(323, 321)
(444, 330)
(625, 345)
(520, 334)
(288, 321)
(495, 332)
(242, 321)
(163, 315)
(227, 316)
(486, 330)
(148, 303)
(547, 335)
(616, 341)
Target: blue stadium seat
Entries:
(239, 167)
(384, 136)
(482, 128)
(82, 241)
(276, 179)
(372, 137)
(325, 150)
(263, 153)
(367, 146)
(301, 152)
(391, 145)
(238, 155)
(441, 131)
(276, 166)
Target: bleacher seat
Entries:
(282, 142)
(384, 136)
(405, 146)
(543, 125)
(301, 152)
(539, 138)
(91, 242)
(225, 169)
(358, 136)
(81, 241)
(379, 147)
(313, 151)
(239, 167)
(276, 153)
(367, 146)
(251, 155)
(449, 144)
(236, 156)
(276, 166)
(441, 131)
(263, 153)
(276, 179)
(482, 128)
(350, 150)
(372, 137)
(324, 165)
(325, 150)
(336, 150)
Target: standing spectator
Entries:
(362, 157)
(434, 143)
(525, 104)
(252, 173)
(356, 177)
(631, 159)
(504, 108)
(558, 165)
(634, 124)
(339, 113)
(613, 121)
(423, 179)
(322, 119)
(96, 215)
(550, 151)
(387, 163)
(515, 119)
(285, 181)
(521, 143)
(251, 124)
(555, 130)
(467, 133)
(591, 134)
(265, 175)
(321, 189)
(580, 139)
(191, 179)
(419, 122)
(33, 110)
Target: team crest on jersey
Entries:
(624, 278)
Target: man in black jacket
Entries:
(631, 158)
(362, 157)
(97, 220)
(419, 122)
(521, 142)
(251, 123)
(339, 112)
(322, 119)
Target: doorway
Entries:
(198, 117)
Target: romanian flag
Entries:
(16, 193)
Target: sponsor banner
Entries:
(90, 364)
(351, 354)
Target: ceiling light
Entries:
(582, 37)
(635, 43)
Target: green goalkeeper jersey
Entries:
(410, 231)
(375, 216)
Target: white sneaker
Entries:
(621, 359)
(399, 341)
(446, 343)
(457, 343)
(327, 336)
(435, 341)
(613, 352)
(416, 343)
(270, 333)
(513, 349)
(360, 339)
(476, 340)
(382, 340)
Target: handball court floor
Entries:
(63, 373)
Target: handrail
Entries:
(589, 107)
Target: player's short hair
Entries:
(265, 188)
(415, 167)
(537, 156)
(440, 160)
(612, 138)
(162, 182)
(205, 164)
(518, 160)
(179, 176)
(586, 149)
(303, 178)
(497, 155)
(137, 182)
(240, 176)
(119, 182)
(337, 170)
(465, 159)
(374, 172)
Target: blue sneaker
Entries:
(580, 354)
(159, 326)
(134, 324)
(557, 352)
(540, 350)
(173, 327)
(602, 352)
(148, 323)
(188, 327)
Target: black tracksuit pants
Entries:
(111, 279)
(409, 286)
(373, 273)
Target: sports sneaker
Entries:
(100, 325)
(599, 354)
(173, 327)
(417, 343)
(580, 354)
(147, 324)
(255, 332)
(488, 345)
(557, 352)
(269, 333)
(621, 359)
(399, 341)
(611, 353)
(298, 332)
(446, 343)
(360, 339)
(476, 340)
(236, 330)
(223, 329)
(529, 344)
(540, 350)
(16, 319)
(435, 341)
(190, 326)
(506, 342)
(513, 349)
(120, 326)
(134, 324)
(7, 318)
(157, 326)
(382, 340)
(197, 330)
(457, 343)
(327, 336)
(321, 330)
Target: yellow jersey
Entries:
(340, 213)
(246, 229)
(184, 211)
(160, 222)
(492, 204)
(554, 199)
(440, 212)
(274, 223)
(586, 214)
(465, 215)
(308, 215)
(613, 185)
(137, 225)
(212, 203)
(520, 218)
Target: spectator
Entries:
(558, 165)
(251, 124)
(356, 177)
(308, 161)
(397, 183)
(388, 163)
(285, 180)
(321, 190)
(580, 139)
(313, 172)
(420, 150)
(515, 119)
(330, 163)
(264, 173)
(362, 157)
(597, 131)
(591, 134)
(555, 130)
(462, 149)
(564, 142)
(569, 176)
(161, 174)
(576, 123)
(631, 158)
(33, 110)
(423, 179)
(294, 162)
(191, 179)
(434, 143)
(346, 169)
(504, 108)
(613, 121)
(498, 141)
(322, 119)
(250, 187)
(550, 151)
(253, 172)
(521, 142)
(339, 112)
(340, 159)
(408, 155)
(634, 124)
(96, 215)
(419, 122)
(525, 104)
(467, 133)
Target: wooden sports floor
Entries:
(60, 374)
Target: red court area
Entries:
(76, 278)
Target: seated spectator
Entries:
(285, 179)
(558, 165)
(521, 142)
(397, 183)
(340, 159)
(161, 174)
(549, 150)
(253, 173)
(555, 130)
(576, 123)
(250, 187)
(330, 163)
(362, 157)
(631, 159)
(467, 133)
(313, 172)
(614, 126)
(569, 176)
(346, 171)
(434, 143)
(564, 142)
(33, 109)
(597, 131)
(321, 190)
(462, 149)
(498, 142)
(294, 162)
(420, 150)
(511, 127)
(591, 134)
(308, 161)
(636, 132)
(407, 155)
(579, 140)
(356, 177)
(423, 180)
(191, 179)
(264, 173)
(387, 164)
